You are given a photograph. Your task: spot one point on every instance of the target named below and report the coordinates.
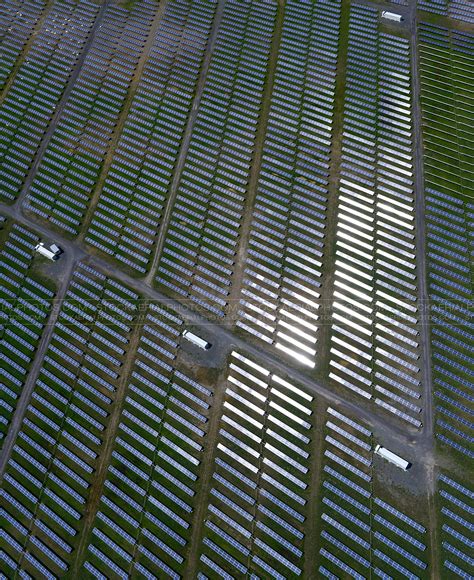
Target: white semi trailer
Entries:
(392, 16)
(392, 457)
(51, 253)
(197, 340)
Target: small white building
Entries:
(392, 457)
(392, 16)
(51, 253)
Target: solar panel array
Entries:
(457, 9)
(37, 88)
(204, 227)
(71, 165)
(131, 457)
(127, 217)
(145, 517)
(450, 242)
(374, 343)
(258, 502)
(456, 507)
(25, 303)
(18, 20)
(362, 535)
(447, 127)
(49, 477)
(447, 101)
(283, 270)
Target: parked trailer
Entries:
(392, 457)
(50, 253)
(392, 16)
(195, 339)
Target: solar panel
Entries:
(336, 561)
(230, 521)
(266, 548)
(347, 481)
(108, 562)
(457, 486)
(280, 521)
(357, 557)
(213, 566)
(461, 573)
(400, 515)
(93, 571)
(395, 565)
(400, 550)
(331, 441)
(245, 514)
(345, 531)
(227, 557)
(170, 573)
(285, 507)
(447, 546)
(232, 541)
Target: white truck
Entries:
(392, 457)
